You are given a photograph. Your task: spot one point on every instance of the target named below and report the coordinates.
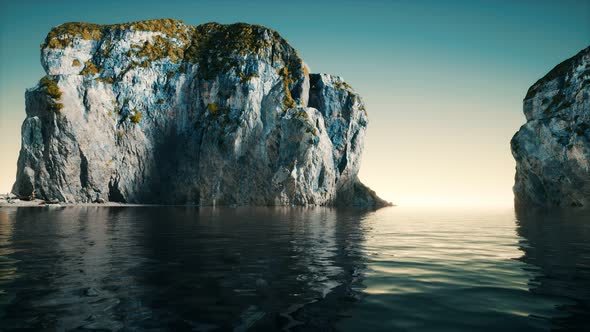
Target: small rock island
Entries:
(552, 150)
(164, 112)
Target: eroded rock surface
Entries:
(163, 112)
(552, 150)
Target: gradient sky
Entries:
(443, 80)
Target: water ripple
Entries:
(293, 269)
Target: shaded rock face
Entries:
(552, 150)
(164, 112)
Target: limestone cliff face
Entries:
(161, 111)
(552, 150)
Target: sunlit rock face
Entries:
(552, 150)
(164, 112)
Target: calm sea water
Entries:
(396, 269)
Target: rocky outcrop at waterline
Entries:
(552, 150)
(163, 112)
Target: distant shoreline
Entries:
(41, 203)
(12, 201)
(5, 202)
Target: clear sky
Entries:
(443, 80)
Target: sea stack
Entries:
(164, 112)
(552, 150)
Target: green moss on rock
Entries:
(63, 35)
(56, 107)
(108, 80)
(90, 69)
(215, 48)
(50, 86)
(213, 108)
(341, 85)
(136, 117)
(247, 77)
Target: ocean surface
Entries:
(293, 269)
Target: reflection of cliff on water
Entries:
(71, 266)
(254, 267)
(180, 268)
(8, 271)
(558, 242)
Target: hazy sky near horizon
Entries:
(443, 80)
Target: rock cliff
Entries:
(163, 112)
(552, 150)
